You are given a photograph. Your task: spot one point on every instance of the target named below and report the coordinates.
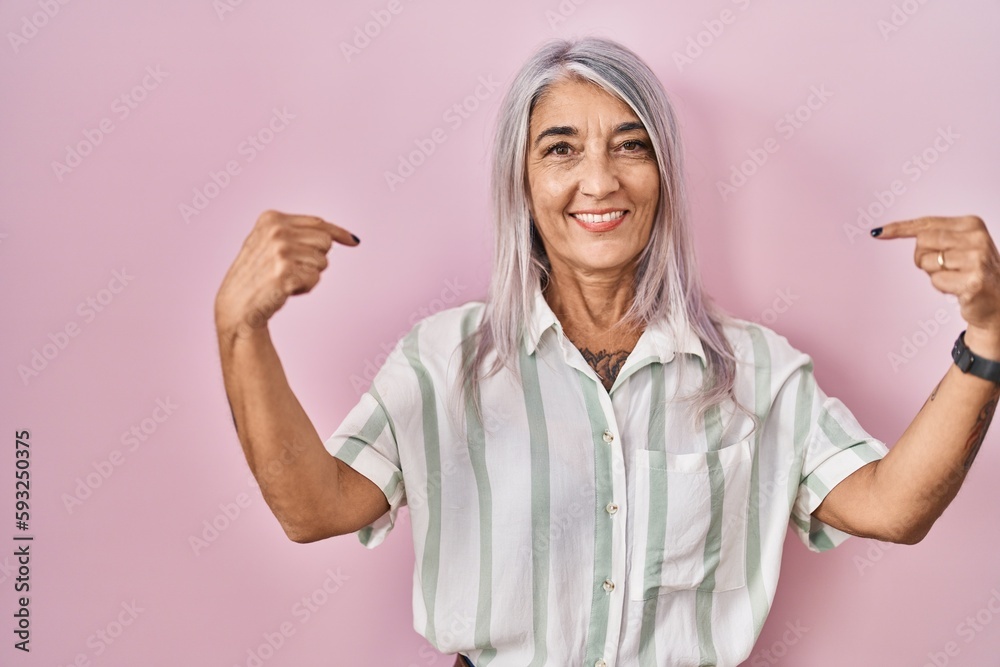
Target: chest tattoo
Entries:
(605, 364)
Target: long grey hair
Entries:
(666, 278)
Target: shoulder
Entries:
(424, 354)
(439, 334)
(762, 347)
(450, 320)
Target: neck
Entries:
(589, 302)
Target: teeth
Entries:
(593, 218)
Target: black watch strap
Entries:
(970, 363)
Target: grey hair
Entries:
(666, 278)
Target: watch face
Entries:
(960, 353)
(965, 360)
(968, 363)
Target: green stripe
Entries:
(866, 452)
(821, 540)
(834, 431)
(388, 417)
(601, 599)
(477, 455)
(759, 604)
(368, 434)
(817, 485)
(633, 368)
(431, 563)
(391, 486)
(713, 541)
(803, 525)
(803, 421)
(647, 639)
(540, 510)
(657, 526)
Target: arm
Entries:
(311, 493)
(898, 498)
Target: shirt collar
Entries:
(656, 340)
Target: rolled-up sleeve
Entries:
(835, 447)
(367, 440)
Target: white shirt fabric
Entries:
(577, 526)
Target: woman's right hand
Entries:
(283, 255)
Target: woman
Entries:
(600, 466)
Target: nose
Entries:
(597, 175)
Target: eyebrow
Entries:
(570, 131)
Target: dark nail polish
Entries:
(356, 239)
(876, 231)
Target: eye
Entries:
(561, 148)
(633, 145)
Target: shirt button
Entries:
(600, 663)
(611, 508)
(608, 436)
(609, 585)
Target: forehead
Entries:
(570, 101)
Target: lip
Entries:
(601, 226)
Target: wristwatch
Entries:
(970, 363)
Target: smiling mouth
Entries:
(597, 218)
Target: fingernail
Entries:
(356, 239)
(876, 231)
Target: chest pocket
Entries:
(690, 520)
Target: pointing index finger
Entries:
(341, 235)
(337, 233)
(902, 228)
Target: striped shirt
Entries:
(577, 526)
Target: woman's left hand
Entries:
(961, 259)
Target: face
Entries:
(593, 183)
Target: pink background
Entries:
(848, 300)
